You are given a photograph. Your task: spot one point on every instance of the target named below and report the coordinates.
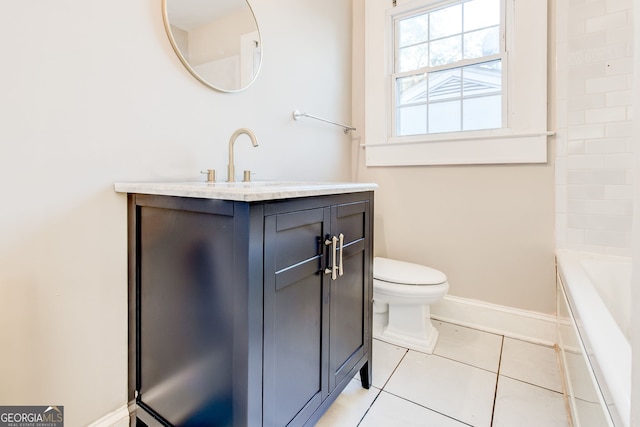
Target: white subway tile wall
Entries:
(594, 153)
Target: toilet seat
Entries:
(406, 273)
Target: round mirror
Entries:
(217, 40)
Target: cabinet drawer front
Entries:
(351, 221)
(297, 239)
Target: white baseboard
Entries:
(117, 418)
(524, 325)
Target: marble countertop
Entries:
(243, 191)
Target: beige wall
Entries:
(92, 93)
(490, 229)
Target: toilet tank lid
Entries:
(390, 270)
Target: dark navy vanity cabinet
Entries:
(247, 313)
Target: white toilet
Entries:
(402, 295)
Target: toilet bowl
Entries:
(402, 295)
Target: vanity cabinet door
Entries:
(350, 293)
(295, 316)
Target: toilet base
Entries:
(408, 327)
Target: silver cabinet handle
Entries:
(334, 265)
(340, 269)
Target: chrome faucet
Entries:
(234, 136)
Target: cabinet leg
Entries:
(365, 375)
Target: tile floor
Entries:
(473, 378)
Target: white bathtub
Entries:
(598, 291)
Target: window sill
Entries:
(467, 150)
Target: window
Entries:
(455, 82)
(448, 68)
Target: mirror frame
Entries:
(174, 45)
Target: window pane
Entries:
(482, 113)
(454, 98)
(413, 58)
(481, 14)
(444, 117)
(444, 85)
(411, 120)
(412, 89)
(482, 79)
(445, 22)
(413, 30)
(446, 51)
(482, 43)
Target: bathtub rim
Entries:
(598, 330)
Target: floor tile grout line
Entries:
(495, 395)
(445, 358)
(460, 361)
(370, 406)
(468, 364)
(381, 389)
(422, 406)
(473, 328)
(496, 372)
(407, 350)
(531, 384)
(502, 337)
(503, 344)
(396, 368)
(489, 332)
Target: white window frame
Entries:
(523, 137)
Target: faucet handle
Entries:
(211, 175)
(247, 176)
